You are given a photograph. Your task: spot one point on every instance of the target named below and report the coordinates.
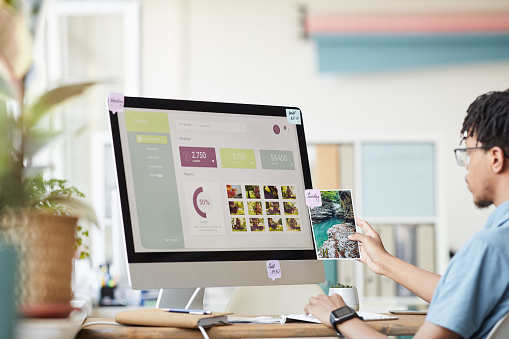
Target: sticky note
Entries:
(274, 269)
(293, 116)
(313, 198)
(116, 102)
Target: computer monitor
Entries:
(211, 191)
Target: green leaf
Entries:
(79, 208)
(52, 99)
(15, 50)
(38, 139)
(84, 255)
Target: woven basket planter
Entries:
(46, 248)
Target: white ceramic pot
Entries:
(349, 295)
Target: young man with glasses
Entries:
(473, 293)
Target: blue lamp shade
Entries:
(378, 43)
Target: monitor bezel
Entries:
(202, 256)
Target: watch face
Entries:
(340, 315)
(342, 312)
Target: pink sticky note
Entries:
(313, 198)
(274, 269)
(116, 102)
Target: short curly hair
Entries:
(488, 120)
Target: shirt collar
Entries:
(499, 217)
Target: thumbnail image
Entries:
(288, 192)
(275, 224)
(272, 207)
(257, 224)
(292, 224)
(239, 225)
(254, 207)
(234, 191)
(332, 223)
(236, 207)
(290, 208)
(270, 192)
(252, 192)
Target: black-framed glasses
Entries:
(463, 158)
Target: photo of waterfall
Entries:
(332, 223)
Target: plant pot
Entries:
(46, 246)
(349, 295)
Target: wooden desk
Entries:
(405, 325)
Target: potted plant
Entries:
(348, 293)
(38, 216)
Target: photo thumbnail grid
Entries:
(263, 208)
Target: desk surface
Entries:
(405, 325)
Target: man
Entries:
(473, 294)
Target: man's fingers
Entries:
(312, 300)
(315, 300)
(307, 309)
(358, 237)
(364, 225)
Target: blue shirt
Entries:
(473, 294)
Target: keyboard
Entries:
(366, 316)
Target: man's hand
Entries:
(322, 305)
(373, 254)
(371, 247)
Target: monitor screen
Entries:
(211, 191)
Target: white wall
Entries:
(251, 51)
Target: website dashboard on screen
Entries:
(201, 181)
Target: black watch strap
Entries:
(341, 315)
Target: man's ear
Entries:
(498, 160)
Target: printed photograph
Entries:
(290, 208)
(257, 224)
(275, 224)
(253, 192)
(254, 207)
(292, 224)
(272, 208)
(234, 191)
(288, 192)
(270, 192)
(236, 207)
(332, 223)
(239, 225)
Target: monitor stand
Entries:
(181, 298)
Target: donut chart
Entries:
(202, 202)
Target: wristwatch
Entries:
(341, 315)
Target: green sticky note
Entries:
(238, 158)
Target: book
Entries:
(346, 272)
(52, 327)
(426, 247)
(159, 317)
(387, 234)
